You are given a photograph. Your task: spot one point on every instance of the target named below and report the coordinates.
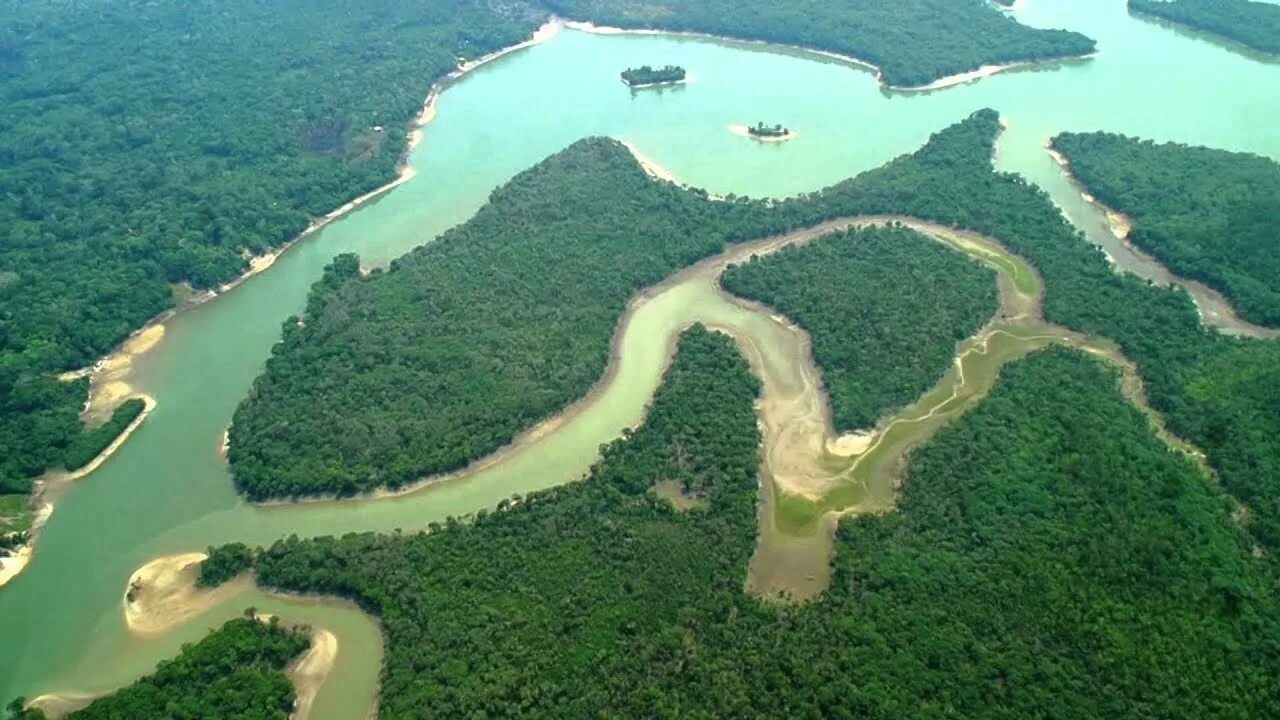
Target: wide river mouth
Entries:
(167, 491)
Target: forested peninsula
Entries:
(237, 671)
(879, 340)
(148, 149)
(1248, 22)
(912, 42)
(1209, 215)
(1049, 553)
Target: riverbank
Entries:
(109, 376)
(939, 84)
(13, 565)
(309, 672)
(1215, 309)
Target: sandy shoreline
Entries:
(12, 566)
(743, 131)
(940, 83)
(162, 594)
(309, 671)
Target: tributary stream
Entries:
(167, 491)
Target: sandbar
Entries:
(309, 672)
(162, 594)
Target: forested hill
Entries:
(237, 671)
(913, 42)
(1209, 215)
(1248, 22)
(144, 144)
(1050, 557)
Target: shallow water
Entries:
(166, 491)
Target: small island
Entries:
(645, 76)
(762, 132)
(768, 131)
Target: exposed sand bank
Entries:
(56, 706)
(744, 131)
(309, 671)
(13, 565)
(939, 84)
(162, 594)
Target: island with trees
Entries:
(1207, 214)
(761, 131)
(646, 76)
(1251, 23)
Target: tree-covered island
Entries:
(767, 131)
(646, 76)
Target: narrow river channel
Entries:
(167, 491)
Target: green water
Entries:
(166, 491)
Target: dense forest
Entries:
(110, 211)
(1207, 214)
(146, 145)
(235, 673)
(879, 340)
(468, 340)
(913, 42)
(1156, 327)
(1051, 557)
(1248, 22)
(223, 563)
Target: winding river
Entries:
(166, 491)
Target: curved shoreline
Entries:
(151, 332)
(1214, 308)
(309, 672)
(938, 84)
(12, 566)
(162, 594)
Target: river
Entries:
(167, 491)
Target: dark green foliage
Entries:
(466, 341)
(1255, 24)
(93, 441)
(1051, 558)
(423, 369)
(913, 42)
(224, 563)
(235, 673)
(554, 604)
(1207, 214)
(762, 130)
(150, 143)
(645, 75)
(885, 308)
